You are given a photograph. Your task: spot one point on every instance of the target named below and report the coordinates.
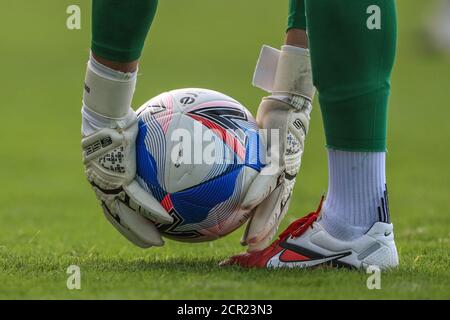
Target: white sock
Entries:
(357, 195)
(108, 92)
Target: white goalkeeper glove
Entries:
(285, 117)
(109, 132)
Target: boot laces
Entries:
(299, 226)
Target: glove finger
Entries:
(258, 226)
(263, 243)
(265, 220)
(140, 226)
(145, 204)
(245, 234)
(259, 190)
(126, 230)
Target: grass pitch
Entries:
(50, 218)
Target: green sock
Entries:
(353, 44)
(119, 28)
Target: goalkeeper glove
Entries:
(285, 116)
(110, 128)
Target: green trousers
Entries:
(353, 44)
(119, 27)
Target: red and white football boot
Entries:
(305, 243)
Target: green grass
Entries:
(50, 218)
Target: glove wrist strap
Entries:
(286, 72)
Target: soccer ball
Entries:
(197, 153)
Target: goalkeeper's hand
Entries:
(285, 117)
(109, 156)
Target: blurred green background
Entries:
(49, 218)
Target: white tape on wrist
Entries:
(108, 97)
(92, 121)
